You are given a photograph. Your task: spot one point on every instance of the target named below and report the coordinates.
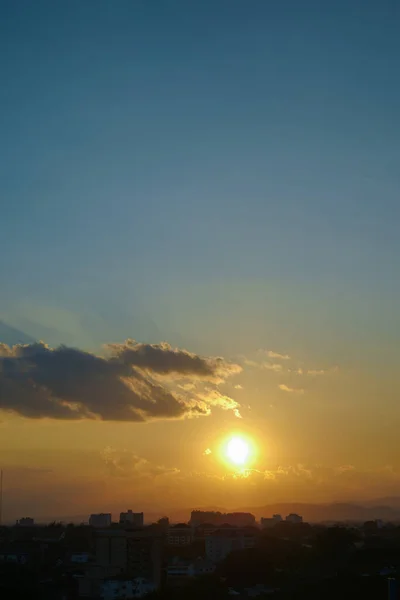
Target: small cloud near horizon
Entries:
(277, 367)
(286, 388)
(278, 355)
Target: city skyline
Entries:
(199, 224)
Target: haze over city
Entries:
(199, 276)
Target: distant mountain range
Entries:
(387, 509)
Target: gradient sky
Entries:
(223, 176)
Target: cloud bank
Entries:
(134, 382)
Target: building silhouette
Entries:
(131, 518)
(100, 520)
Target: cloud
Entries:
(267, 366)
(128, 464)
(310, 372)
(286, 388)
(162, 359)
(345, 468)
(298, 371)
(272, 354)
(252, 363)
(238, 387)
(187, 387)
(67, 383)
(213, 397)
(273, 367)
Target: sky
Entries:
(199, 221)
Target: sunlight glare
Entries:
(237, 451)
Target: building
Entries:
(26, 522)
(224, 541)
(124, 555)
(163, 523)
(121, 588)
(79, 558)
(293, 518)
(393, 588)
(90, 583)
(179, 570)
(135, 553)
(237, 519)
(203, 530)
(180, 535)
(100, 520)
(267, 522)
(15, 554)
(131, 518)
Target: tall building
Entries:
(100, 520)
(224, 541)
(180, 535)
(131, 518)
(133, 553)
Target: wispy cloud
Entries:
(265, 366)
(276, 367)
(127, 464)
(312, 372)
(131, 383)
(316, 372)
(345, 468)
(238, 386)
(286, 388)
(277, 355)
(213, 397)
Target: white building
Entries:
(131, 518)
(293, 518)
(126, 588)
(222, 542)
(100, 520)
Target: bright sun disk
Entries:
(237, 450)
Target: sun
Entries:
(237, 451)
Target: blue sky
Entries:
(219, 174)
(222, 175)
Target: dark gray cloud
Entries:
(162, 359)
(66, 383)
